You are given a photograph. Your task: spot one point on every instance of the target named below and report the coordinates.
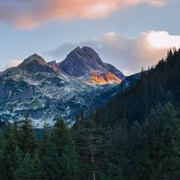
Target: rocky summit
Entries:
(48, 91)
(86, 64)
(35, 64)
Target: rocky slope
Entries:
(86, 64)
(47, 91)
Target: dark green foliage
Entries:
(44, 141)
(27, 169)
(93, 145)
(27, 141)
(59, 160)
(160, 145)
(9, 160)
(85, 146)
(22, 158)
(113, 173)
(2, 149)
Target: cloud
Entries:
(10, 63)
(162, 39)
(127, 54)
(27, 14)
(13, 63)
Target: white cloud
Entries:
(127, 54)
(162, 39)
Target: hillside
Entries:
(160, 84)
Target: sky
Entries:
(129, 34)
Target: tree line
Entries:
(90, 151)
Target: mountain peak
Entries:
(88, 53)
(81, 61)
(34, 57)
(77, 49)
(87, 49)
(35, 64)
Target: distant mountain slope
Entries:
(106, 96)
(157, 85)
(86, 64)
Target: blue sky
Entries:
(129, 34)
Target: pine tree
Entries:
(113, 173)
(45, 137)
(159, 156)
(90, 149)
(60, 162)
(2, 149)
(16, 132)
(27, 168)
(118, 146)
(27, 141)
(10, 157)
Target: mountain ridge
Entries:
(44, 91)
(83, 63)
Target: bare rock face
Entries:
(35, 64)
(48, 91)
(104, 78)
(54, 65)
(83, 61)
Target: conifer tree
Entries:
(28, 168)
(90, 148)
(27, 141)
(60, 159)
(159, 156)
(10, 157)
(2, 149)
(45, 137)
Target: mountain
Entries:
(47, 91)
(86, 64)
(36, 64)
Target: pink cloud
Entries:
(151, 2)
(13, 63)
(30, 13)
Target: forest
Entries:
(135, 136)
